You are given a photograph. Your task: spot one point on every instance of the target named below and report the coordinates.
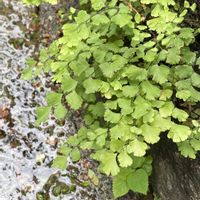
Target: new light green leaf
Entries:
(195, 80)
(98, 4)
(162, 123)
(116, 132)
(68, 84)
(151, 91)
(183, 94)
(183, 84)
(112, 117)
(116, 145)
(101, 140)
(100, 19)
(135, 73)
(27, 73)
(84, 31)
(130, 90)
(138, 181)
(99, 55)
(195, 143)
(188, 56)
(179, 114)
(75, 155)
(73, 140)
(141, 107)
(125, 105)
(160, 73)
(187, 33)
(167, 109)
(150, 55)
(42, 114)
(53, 98)
(162, 2)
(92, 85)
(183, 71)
(193, 7)
(37, 2)
(64, 150)
(121, 19)
(119, 186)
(173, 56)
(74, 100)
(137, 147)
(98, 109)
(82, 16)
(111, 104)
(149, 117)
(165, 94)
(116, 85)
(179, 133)
(150, 133)
(137, 18)
(186, 149)
(149, 44)
(124, 159)
(107, 69)
(108, 162)
(60, 162)
(60, 111)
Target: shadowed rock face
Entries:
(49, 20)
(174, 177)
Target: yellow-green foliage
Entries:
(126, 63)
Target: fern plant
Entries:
(127, 64)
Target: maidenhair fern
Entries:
(128, 65)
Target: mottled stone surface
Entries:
(49, 19)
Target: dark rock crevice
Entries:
(174, 177)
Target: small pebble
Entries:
(40, 158)
(52, 140)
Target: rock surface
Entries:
(174, 177)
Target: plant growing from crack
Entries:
(128, 66)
